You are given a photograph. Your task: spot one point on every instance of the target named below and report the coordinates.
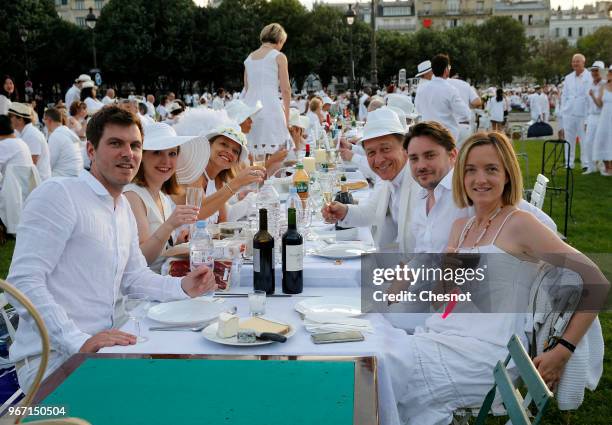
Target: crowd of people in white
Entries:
(439, 185)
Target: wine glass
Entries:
(259, 160)
(194, 197)
(137, 305)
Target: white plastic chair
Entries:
(539, 191)
(19, 181)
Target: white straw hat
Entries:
(82, 78)
(159, 136)
(240, 111)
(382, 122)
(192, 160)
(297, 120)
(423, 68)
(22, 110)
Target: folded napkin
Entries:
(329, 322)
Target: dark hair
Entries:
(439, 63)
(435, 131)
(499, 95)
(170, 186)
(54, 115)
(109, 115)
(26, 121)
(76, 106)
(181, 110)
(142, 108)
(220, 91)
(13, 97)
(86, 92)
(6, 128)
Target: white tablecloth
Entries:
(375, 344)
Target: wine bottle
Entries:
(307, 154)
(293, 256)
(263, 256)
(344, 197)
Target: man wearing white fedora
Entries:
(74, 93)
(388, 209)
(20, 115)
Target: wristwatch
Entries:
(556, 340)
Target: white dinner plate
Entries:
(210, 333)
(186, 312)
(343, 251)
(347, 306)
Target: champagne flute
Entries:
(194, 197)
(259, 160)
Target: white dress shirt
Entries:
(575, 94)
(72, 95)
(468, 94)
(13, 151)
(93, 105)
(77, 251)
(431, 231)
(396, 185)
(65, 153)
(150, 109)
(37, 143)
(439, 101)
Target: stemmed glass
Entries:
(194, 197)
(137, 305)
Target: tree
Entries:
(395, 51)
(597, 46)
(502, 48)
(549, 59)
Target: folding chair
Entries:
(539, 191)
(517, 408)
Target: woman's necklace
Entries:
(489, 221)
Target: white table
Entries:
(375, 344)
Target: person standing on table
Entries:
(388, 210)
(265, 72)
(77, 251)
(20, 115)
(574, 101)
(439, 101)
(594, 112)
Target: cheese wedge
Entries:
(228, 325)
(260, 325)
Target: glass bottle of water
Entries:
(201, 248)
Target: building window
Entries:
(453, 23)
(64, 2)
(480, 6)
(99, 4)
(520, 18)
(569, 32)
(557, 32)
(80, 21)
(580, 32)
(396, 11)
(79, 5)
(453, 6)
(530, 20)
(427, 8)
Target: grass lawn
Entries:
(590, 231)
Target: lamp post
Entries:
(91, 21)
(23, 34)
(350, 19)
(374, 71)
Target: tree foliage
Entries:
(597, 46)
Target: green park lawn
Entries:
(590, 231)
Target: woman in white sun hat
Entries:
(211, 165)
(149, 193)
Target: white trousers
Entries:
(586, 147)
(27, 370)
(573, 127)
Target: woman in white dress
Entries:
(496, 106)
(149, 193)
(266, 70)
(602, 143)
(7, 94)
(449, 364)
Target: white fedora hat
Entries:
(192, 160)
(597, 65)
(382, 122)
(82, 78)
(22, 110)
(401, 115)
(88, 84)
(232, 131)
(297, 120)
(159, 136)
(239, 111)
(423, 68)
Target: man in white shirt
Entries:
(77, 253)
(388, 209)
(594, 112)
(64, 146)
(424, 74)
(218, 102)
(145, 119)
(535, 107)
(20, 114)
(74, 93)
(439, 101)
(151, 106)
(574, 104)
(363, 109)
(544, 105)
(110, 97)
(13, 151)
(470, 97)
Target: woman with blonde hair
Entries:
(449, 364)
(267, 70)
